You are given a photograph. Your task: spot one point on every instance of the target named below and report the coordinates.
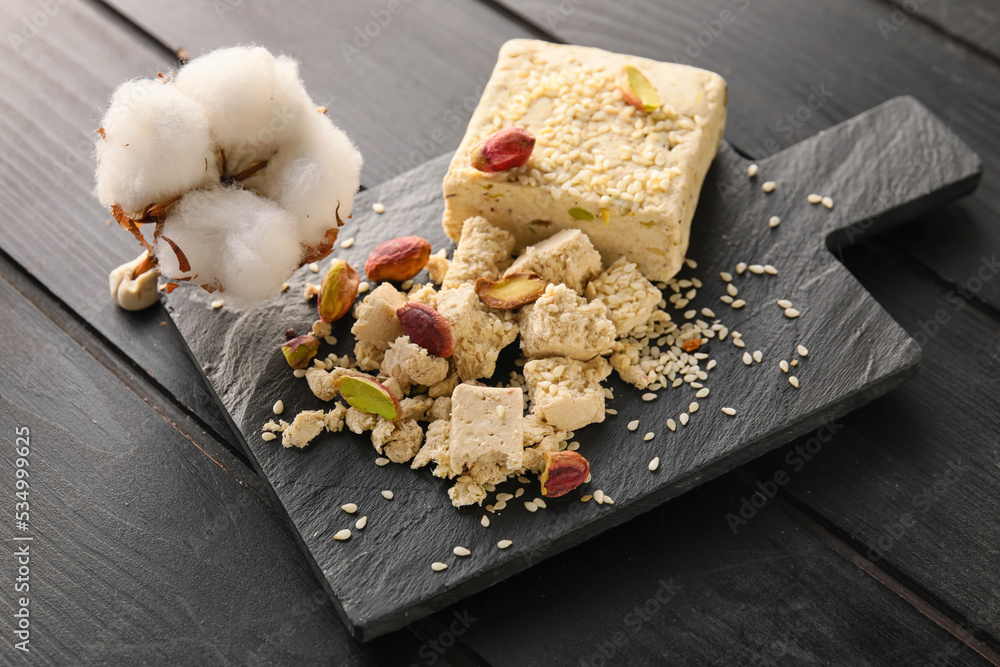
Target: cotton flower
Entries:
(241, 176)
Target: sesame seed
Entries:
(726, 276)
(729, 411)
(285, 286)
(758, 356)
(702, 393)
(795, 362)
(739, 303)
(610, 411)
(341, 535)
(361, 523)
(500, 506)
(741, 267)
(769, 186)
(438, 566)
(523, 480)
(783, 365)
(485, 521)
(747, 359)
(500, 410)
(504, 497)
(731, 289)
(773, 221)
(649, 436)
(684, 418)
(218, 303)
(350, 508)
(633, 425)
(738, 342)
(671, 424)
(828, 202)
(803, 352)
(347, 243)
(519, 493)
(711, 362)
(654, 464)
(573, 446)
(756, 269)
(330, 340)
(363, 287)
(378, 208)
(784, 303)
(586, 480)
(314, 267)
(791, 313)
(530, 506)
(268, 436)
(814, 199)
(690, 314)
(794, 381)
(381, 461)
(708, 312)
(407, 284)
(691, 263)
(461, 551)
(278, 407)
(388, 495)
(503, 544)
(585, 498)
(540, 503)
(752, 170)
(648, 396)
(599, 497)
(608, 500)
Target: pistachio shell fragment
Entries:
(564, 471)
(368, 395)
(510, 292)
(638, 91)
(299, 351)
(338, 291)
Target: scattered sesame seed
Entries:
(711, 363)
(773, 221)
(388, 495)
(633, 425)
(585, 498)
(690, 314)
(344, 534)
(691, 263)
(314, 267)
(649, 396)
(485, 521)
(218, 303)
(361, 523)
(278, 407)
(828, 202)
(407, 284)
(783, 365)
(500, 505)
(461, 551)
(438, 566)
(758, 356)
(726, 299)
(739, 303)
(752, 170)
(285, 286)
(268, 436)
(784, 303)
(684, 418)
(791, 313)
(803, 352)
(729, 411)
(608, 500)
(702, 393)
(794, 381)
(523, 480)
(795, 362)
(586, 480)
(814, 199)
(599, 497)
(500, 411)
(519, 493)
(747, 359)
(726, 276)
(610, 411)
(741, 267)
(769, 186)
(573, 446)
(731, 289)
(381, 461)
(350, 508)
(503, 544)
(347, 243)
(504, 497)
(671, 424)
(540, 503)
(649, 436)
(363, 287)
(738, 342)
(654, 464)
(757, 269)
(378, 208)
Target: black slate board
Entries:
(882, 167)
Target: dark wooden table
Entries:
(153, 542)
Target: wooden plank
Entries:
(779, 62)
(400, 76)
(143, 550)
(676, 586)
(56, 84)
(914, 476)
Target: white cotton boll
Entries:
(156, 145)
(232, 238)
(254, 102)
(310, 175)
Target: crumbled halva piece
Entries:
(416, 408)
(335, 418)
(359, 422)
(306, 426)
(483, 251)
(394, 386)
(441, 409)
(437, 266)
(321, 329)
(466, 491)
(399, 441)
(567, 393)
(445, 387)
(487, 439)
(562, 323)
(411, 364)
(436, 448)
(323, 383)
(540, 437)
(629, 369)
(369, 356)
(377, 323)
(480, 334)
(630, 298)
(629, 178)
(567, 257)
(423, 294)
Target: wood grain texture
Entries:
(401, 77)
(677, 587)
(144, 551)
(795, 71)
(56, 85)
(381, 578)
(974, 23)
